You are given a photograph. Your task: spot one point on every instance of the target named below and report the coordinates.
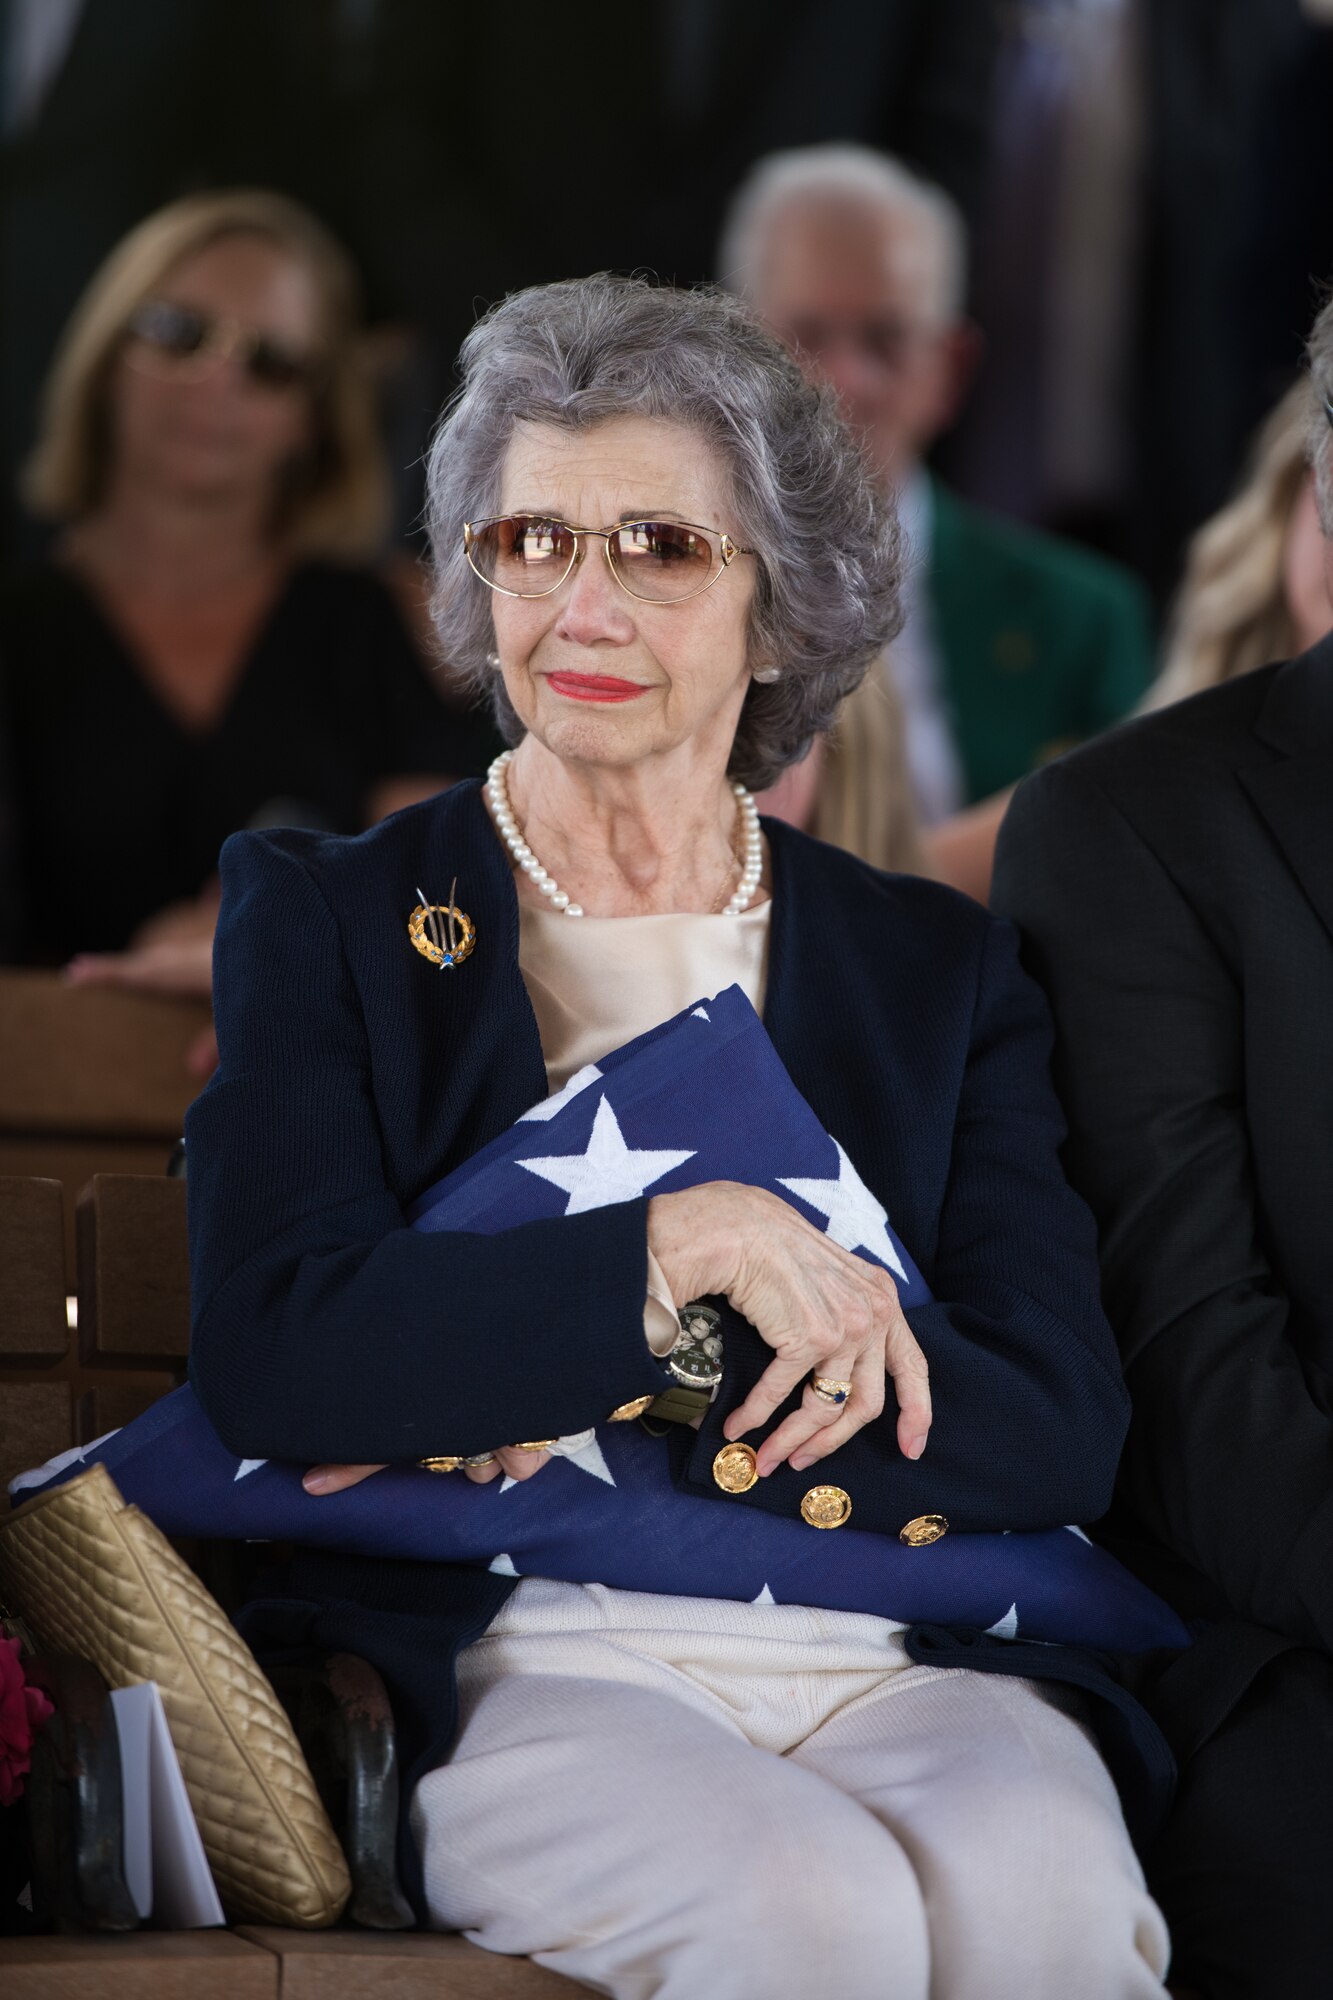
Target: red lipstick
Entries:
(595, 687)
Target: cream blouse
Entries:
(597, 982)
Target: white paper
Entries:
(131, 1707)
(159, 1817)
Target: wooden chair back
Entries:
(83, 1357)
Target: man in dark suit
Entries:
(1174, 884)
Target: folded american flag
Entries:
(704, 1097)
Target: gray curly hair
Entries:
(1320, 354)
(575, 354)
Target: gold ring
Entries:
(450, 1463)
(829, 1389)
(538, 1444)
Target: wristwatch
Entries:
(696, 1359)
(694, 1369)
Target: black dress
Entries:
(118, 809)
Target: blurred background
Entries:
(208, 561)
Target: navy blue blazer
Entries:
(353, 1075)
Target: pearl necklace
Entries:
(497, 792)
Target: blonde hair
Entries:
(336, 502)
(1231, 614)
(865, 801)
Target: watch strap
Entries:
(679, 1405)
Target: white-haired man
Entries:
(1016, 645)
(1174, 885)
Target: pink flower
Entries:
(23, 1710)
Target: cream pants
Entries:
(703, 1800)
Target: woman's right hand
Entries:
(322, 1479)
(815, 1304)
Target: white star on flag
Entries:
(1006, 1627)
(609, 1171)
(60, 1463)
(856, 1221)
(588, 1458)
(246, 1467)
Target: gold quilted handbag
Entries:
(90, 1575)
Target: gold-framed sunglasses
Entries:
(660, 562)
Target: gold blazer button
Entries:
(926, 1528)
(624, 1412)
(735, 1468)
(826, 1507)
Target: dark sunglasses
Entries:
(178, 340)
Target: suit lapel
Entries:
(962, 642)
(946, 585)
(1294, 793)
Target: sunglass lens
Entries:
(662, 559)
(522, 553)
(276, 367)
(173, 330)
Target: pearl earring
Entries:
(767, 675)
(493, 662)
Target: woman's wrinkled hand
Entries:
(322, 1479)
(816, 1305)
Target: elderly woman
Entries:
(657, 546)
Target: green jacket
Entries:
(1041, 644)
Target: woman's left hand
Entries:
(815, 1304)
(322, 1479)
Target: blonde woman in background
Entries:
(1254, 589)
(207, 646)
(852, 789)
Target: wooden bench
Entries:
(265, 1964)
(61, 1385)
(92, 1080)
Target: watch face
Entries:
(694, 1368)
(696, 1359)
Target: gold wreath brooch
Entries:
(441, 932)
